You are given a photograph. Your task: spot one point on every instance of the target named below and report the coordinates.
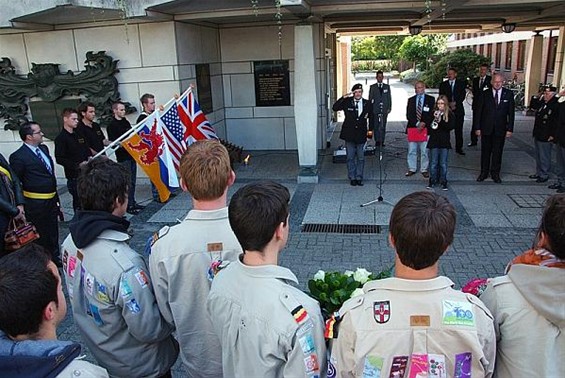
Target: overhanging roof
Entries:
(341, 16)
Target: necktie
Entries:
(452, 86)
(496, 99)
(38, 153)
(481, 83)
(419, 109)
(381, 87)
(357, 106)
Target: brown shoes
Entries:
(426, 174)
(409, 173)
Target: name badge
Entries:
(385, 91)
(426, 109)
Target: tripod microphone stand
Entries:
(380, 147)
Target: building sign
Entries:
(272, 83)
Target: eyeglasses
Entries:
(37, 132)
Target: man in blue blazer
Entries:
(493, 122)
(36, 171)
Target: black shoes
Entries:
(353, 182)
(540, 180)
(409, 173)
(360, 183)
(496, 178)
(533, 177)
(133, 211)
(482, 177)
(426, 174)
(554, 186)
(460, 152)
(472, 144)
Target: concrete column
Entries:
(559, 72)
(534, 65)
(305, 102)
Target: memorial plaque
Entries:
(48, 114)
(272, 83)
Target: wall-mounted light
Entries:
(415, 29)
(508, 27)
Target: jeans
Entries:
(131, 167)
(413, 156)
(560, 165)
(355, 160)
(543, 158)
(438, 165)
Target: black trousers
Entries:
(459, 119)
(491, 154)
(43, 214)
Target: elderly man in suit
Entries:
(34, 167)
(420, 114)
(354, 131)
(380, 102)
(493, 121)
(480, 84)
(454, 90)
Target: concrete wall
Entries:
(254, 127)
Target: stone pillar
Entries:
(559, 72)
(305, 102)
(533, 67)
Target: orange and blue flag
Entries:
(147, 146)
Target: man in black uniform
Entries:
(119, 126)
(547, 119)
(36, 171)
(454, 90)
(91, 130)
(480, 84)
(354, 131)
(71, 150)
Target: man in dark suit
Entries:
(493, 121)
(381, 104)
(420, 114)
(454, 90)
(481, 83)
(34, 167)
(354, 131)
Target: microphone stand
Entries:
(380, 147)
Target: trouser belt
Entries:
(33, 195)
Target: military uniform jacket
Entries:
(115, 309)
(547, 119)
(402, 328)
(354, 128)
(183, 263)
(267, 327)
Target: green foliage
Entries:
(376, 48)
(363, 48)
(410, 76)
(420, 49)
(370, 65)
(465, 61)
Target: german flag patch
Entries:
(300, 314)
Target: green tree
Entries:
(465, 61)
(386, 46)
(363, 48)
(419, 49)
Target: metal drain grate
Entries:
(342, 228)
(529, 201)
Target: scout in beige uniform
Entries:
(108, 283)
(415, 325)
(185, 258)
(267, 327)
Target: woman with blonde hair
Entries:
(439, 142)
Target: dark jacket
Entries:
(427, 111)
(441, 137)
(478, 90)
(492, 119)
(8, 209)
(71, 149)
(354, 128)
(457, 95)
(35, 358)
(547, 118)
(116, 129)
(33, 174)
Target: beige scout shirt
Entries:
(115, 309)
(267, 327)
(182, 265)
(407, 328)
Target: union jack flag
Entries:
(174, 132)
(191, 116)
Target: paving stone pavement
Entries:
(495, 221)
